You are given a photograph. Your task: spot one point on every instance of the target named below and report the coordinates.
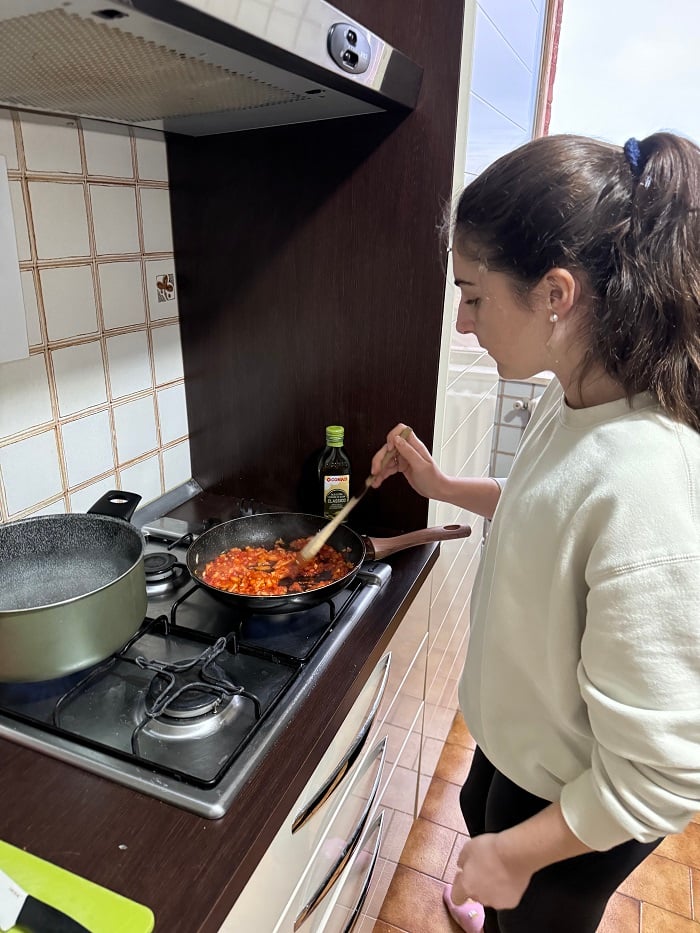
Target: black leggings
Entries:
(567, 897)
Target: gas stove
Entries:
(190, 705)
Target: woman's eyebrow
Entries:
(460, 282)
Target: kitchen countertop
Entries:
(189, 870)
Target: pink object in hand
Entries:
(469, 916)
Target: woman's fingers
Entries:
(396, 433)
(402, 452)
(414, 442)
(383, 463)
(380, 467)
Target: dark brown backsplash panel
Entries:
(310, 281)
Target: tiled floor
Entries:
(661, 896)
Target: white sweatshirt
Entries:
(582, 679)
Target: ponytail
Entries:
(654, 294)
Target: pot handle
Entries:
(378, 548)
(117, 504)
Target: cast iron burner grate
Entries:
(192, 688)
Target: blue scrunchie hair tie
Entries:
(633, 154)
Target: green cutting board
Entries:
(97, 908)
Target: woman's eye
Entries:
(472, 301)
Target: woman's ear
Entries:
(562, 291)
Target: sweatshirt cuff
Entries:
(587, 817)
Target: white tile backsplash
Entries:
(83, 499)
(155, 215)
(51, 144)
(176, 464)
(57, 507)
(173, 413)
(114, 218)
(80, 414)
(60, 219)
(25, 399)
(151, 156)
(129, 363)
(143, 478)
(108, 149)
(80, 377)
(121, 291)
(135, 427)
(87, 446)
(69, 302)
(167, 353)
(30, 471)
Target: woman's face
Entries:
(514, 334)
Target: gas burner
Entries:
(164, 573)
(221, 714)
(192, 692)
(189, 698)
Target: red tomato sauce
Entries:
(260, 571)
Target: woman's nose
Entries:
(464, 323)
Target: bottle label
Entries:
(336, 492)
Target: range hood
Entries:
(197, 67)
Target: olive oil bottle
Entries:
(334, 472)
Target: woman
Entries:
(582, 680)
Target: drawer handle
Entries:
(377, 825)
(347, 853)
(348, 760)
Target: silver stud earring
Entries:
(554, 317)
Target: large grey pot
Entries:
(72, 590)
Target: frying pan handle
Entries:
(377, 548)
(117, 504)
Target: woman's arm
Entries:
(479, 495)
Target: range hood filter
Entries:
(116, 75)
(197, 67)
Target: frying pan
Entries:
(73, 589)
(265, 529)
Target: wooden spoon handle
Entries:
(377, 548)
(314, 545)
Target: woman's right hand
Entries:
(413, 459)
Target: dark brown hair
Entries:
(630, 231)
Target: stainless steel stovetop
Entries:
(188, 708)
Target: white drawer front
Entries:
(263, 900)
(345, 906)
(342, 837)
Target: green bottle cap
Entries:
(334, 435)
